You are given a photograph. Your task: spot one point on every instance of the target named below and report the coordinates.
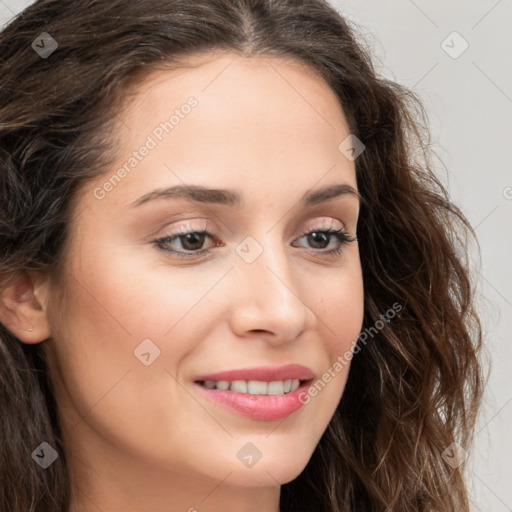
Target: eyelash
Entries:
(343, 237)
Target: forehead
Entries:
(268, 125)
(230, 87)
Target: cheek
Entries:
(340, 310)
(103, 382)
(110, 309)
(340, 307)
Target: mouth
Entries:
(266, 394)
(267, 374)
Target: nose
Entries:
(268, 298)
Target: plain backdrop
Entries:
(457, 57)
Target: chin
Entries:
(276, 470)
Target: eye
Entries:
(192, 241)
(319, 235)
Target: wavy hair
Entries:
(415, 386)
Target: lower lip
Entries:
(259, 407)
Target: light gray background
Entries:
(469, 103)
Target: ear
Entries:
(23, 300)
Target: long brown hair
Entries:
(415, 384)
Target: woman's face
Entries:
(141, 322)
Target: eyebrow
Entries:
(227, 197)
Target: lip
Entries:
(259, 407)
(262, 373)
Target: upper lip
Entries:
(262, 373)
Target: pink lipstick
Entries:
(261, 393)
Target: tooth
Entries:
(239, 386)
(295, 384)
(256, 387)
(275, 387)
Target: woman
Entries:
(229, 277)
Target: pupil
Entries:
(317, 235)
(193, 237)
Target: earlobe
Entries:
(23, 306)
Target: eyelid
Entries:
(322, 223)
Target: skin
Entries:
(142, 437)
